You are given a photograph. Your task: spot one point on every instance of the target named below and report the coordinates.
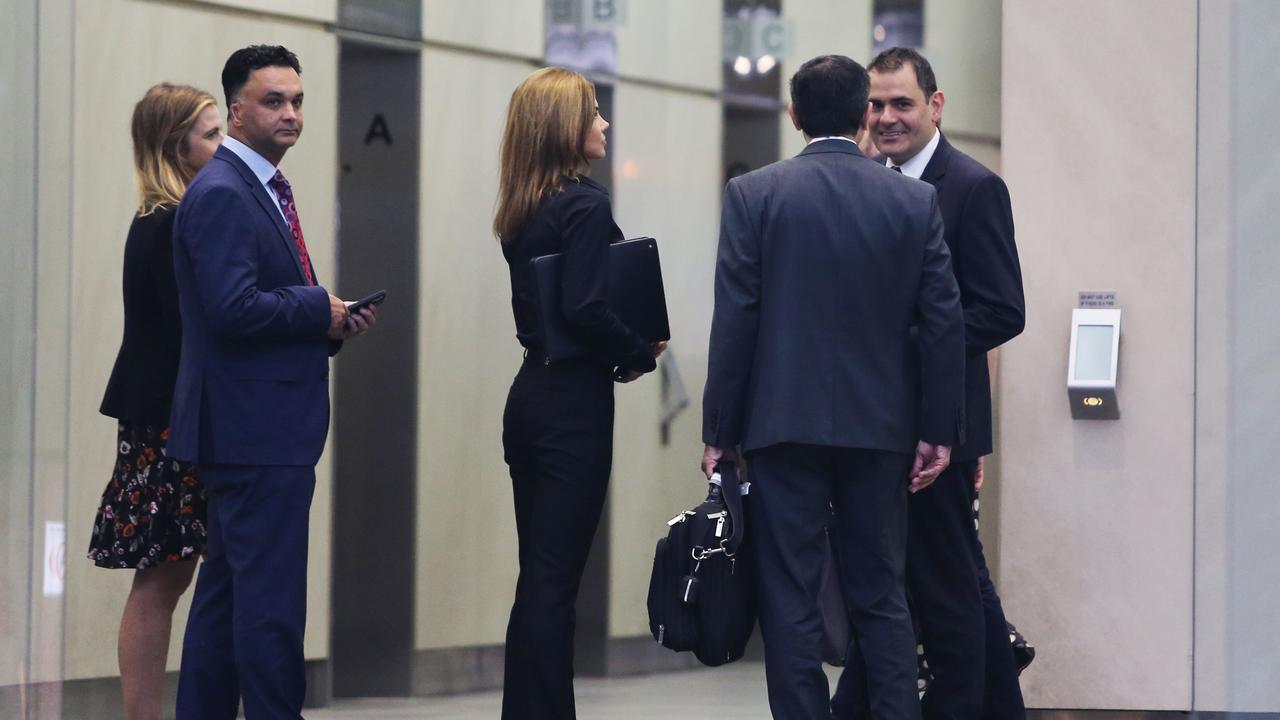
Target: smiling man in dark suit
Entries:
(251, 405)
(962, 623)
(825, 262)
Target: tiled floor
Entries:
(736, 691)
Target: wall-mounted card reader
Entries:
(1091, 369)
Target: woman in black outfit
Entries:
(558, 425)
(152, 514)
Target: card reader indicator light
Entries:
(1092, 402)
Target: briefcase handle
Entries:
(731, 492)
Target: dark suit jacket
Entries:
(978, 223)
(253, 384)
(141, 386)
(577, 222)
(825, 262)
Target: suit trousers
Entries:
(794, 488)
(557, 437)
(962, 624)
(248, 614)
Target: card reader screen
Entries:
(1093, 352)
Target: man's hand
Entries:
(659, 347)
(357, 323)
(338, 314)
(977, 477)
(711, 455)
(931, 460)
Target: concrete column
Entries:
(1139, 554)
(1097, 517)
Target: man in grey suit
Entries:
(826, 262)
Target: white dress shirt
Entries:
(914, 167)
(258, 165)
(831, 137)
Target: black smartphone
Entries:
(364, 302)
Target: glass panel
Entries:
(31, 552)
(1093, 352)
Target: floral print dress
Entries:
(154, 507)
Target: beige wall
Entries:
(821, 27)
(498, 26)
(668, 186)
(108, 77)
(672, 41)
(1096, 534)
(467, 356)
(962, 42)
(318, 10)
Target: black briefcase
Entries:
(702, 593)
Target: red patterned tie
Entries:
(285, 195)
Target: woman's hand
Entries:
(626, 376)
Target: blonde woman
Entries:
(558, 426)
(152, 514)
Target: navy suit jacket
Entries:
(978, 223)
(253, 379)
(825, 262)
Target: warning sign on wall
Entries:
(55, 558)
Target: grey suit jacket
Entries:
(825, 262)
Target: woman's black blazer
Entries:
(141, 384)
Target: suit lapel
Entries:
(937, 166)
(259, 192)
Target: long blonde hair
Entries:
(548, 119)
(161, 121)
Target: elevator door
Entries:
(375, 398)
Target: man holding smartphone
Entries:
(251, 403)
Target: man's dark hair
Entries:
(894, 58)
(829, 94)
(255, 57)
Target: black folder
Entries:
(636, 297)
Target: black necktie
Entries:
(897, 169)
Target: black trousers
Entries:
(794, 487)
(962, 624)
(557, 437)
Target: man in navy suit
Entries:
(251, 404)
(826, 261)
(962, 624)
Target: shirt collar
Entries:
(831, 137)
(258, 165)
(915, 166)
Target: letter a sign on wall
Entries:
(378, 130)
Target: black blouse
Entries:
(578, 222)
(141, 385)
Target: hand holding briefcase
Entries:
(702, 593)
